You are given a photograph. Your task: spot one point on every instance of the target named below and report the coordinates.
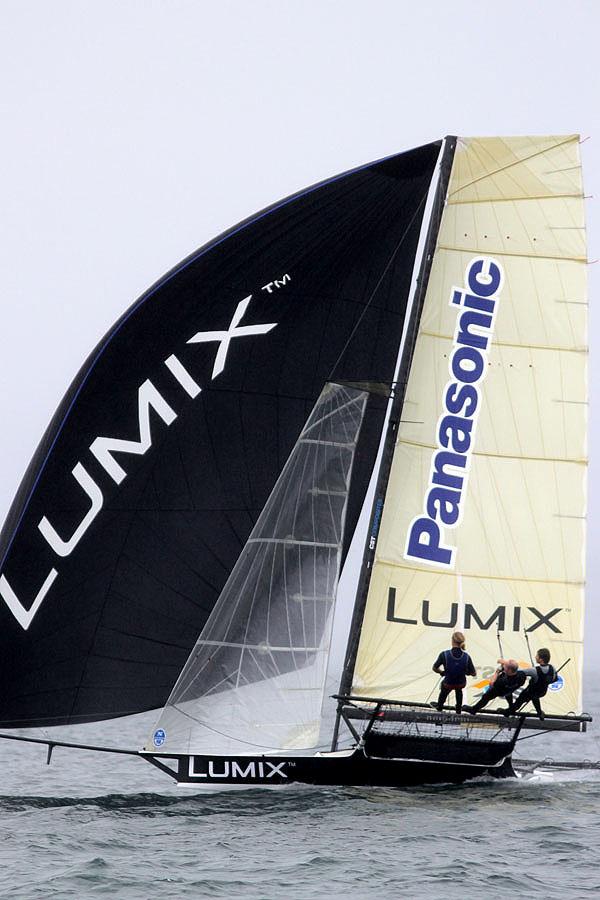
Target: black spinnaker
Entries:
(159, 459)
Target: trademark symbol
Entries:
(277, 284)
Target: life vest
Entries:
(506, 684)
(455, 668)
(539, 688)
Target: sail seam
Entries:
(394, 565)
(475, 250)
(520, 199)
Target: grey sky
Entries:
(133, 132)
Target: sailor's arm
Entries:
(530, 672)
(438, 666)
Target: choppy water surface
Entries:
(92, 825)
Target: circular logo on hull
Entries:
(159, 737)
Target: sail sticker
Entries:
(557, 685)
(500, 618)
(455, 432)
(234, 769)
(376, 523)
(159, 737)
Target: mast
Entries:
(395, 413)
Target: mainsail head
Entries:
(256, 677)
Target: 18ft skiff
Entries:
(474, 448)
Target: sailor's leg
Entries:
(444, 691)
(459, 699)
(538, 706)
(523, 698)
(483, 701)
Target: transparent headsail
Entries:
(255, 679)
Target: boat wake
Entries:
(555, 773)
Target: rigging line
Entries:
(528, 646)
(387, 267)
(500, 643)
(545, 731)
(222, 733)
(515, 162)
(435, 687)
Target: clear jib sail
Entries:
(256, 677)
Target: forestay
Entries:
(483, 527)
(256, 676)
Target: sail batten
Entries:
(581, 462)
(454, 202)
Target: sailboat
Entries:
(467, 459)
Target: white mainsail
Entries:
(517, 544)
(256, 677)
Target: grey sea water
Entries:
(93, 825)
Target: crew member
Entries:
(541, 677)
(505, 680)
(454, 664)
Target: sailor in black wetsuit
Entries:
(454, 664)
(507, 679)
(541, 677)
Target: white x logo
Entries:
(225, 337)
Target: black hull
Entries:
(327, 770)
